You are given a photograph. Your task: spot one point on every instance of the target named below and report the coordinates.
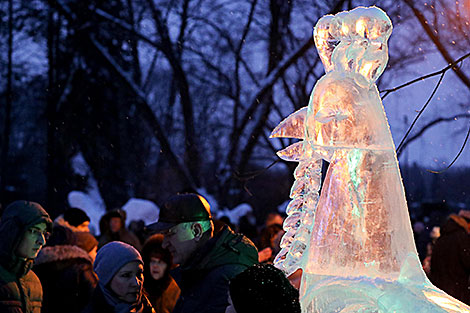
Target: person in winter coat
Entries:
(66, 273)
(450, 259)
(24, 228)
(87, 242)
(161, 288)
(74, 218)
(262, 288)
(113, 228)
(207, 260)
(120, 271)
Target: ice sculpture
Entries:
(353, 242)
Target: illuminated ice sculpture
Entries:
(354, 242)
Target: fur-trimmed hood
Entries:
(61, 253)
(62, 222)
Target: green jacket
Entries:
(205, 279)
(20, 288)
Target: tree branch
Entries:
(419, 114)
(424, 23)
(147, 113)
(192, 155)
(421, 78)
(431, 124)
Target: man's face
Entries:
(180, 241)
(33, 240)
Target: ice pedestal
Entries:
(411, 293)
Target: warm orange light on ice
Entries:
(360, 27)
(319, 137)
(445, 302)
(365, 69)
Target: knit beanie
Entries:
(111, 257)
(86, 241)
(263, 288)
(75, 216)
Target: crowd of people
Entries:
(187, 261)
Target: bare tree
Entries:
(9, 98)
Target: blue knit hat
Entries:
(111, 257)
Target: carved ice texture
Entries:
(353, 242)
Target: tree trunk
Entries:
(9, 100)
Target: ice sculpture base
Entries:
(363, 294)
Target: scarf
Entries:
(118, 305)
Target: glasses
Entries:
(37, 232)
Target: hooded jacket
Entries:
(20, 288)
(67, 277)
(450, 259)
(204, 281)
(123, 234)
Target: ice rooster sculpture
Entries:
(353, 241)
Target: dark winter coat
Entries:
(204, 281)
(67, 277)
(20, 288)
(450, 260)
(98, 304)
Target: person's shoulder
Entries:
(228, 236)
(31, 278)
(239, 243)
(225, 271)
(61, 253)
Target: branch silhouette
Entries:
(420, 113)
(456, 157)
(431, 124)
(421, 78)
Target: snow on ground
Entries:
(93, 208)
(233, 214)
(90, 200)
(141, 209)
(236, 213)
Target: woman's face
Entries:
(157, 268)
(128, 281)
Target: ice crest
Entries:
(353, 238)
